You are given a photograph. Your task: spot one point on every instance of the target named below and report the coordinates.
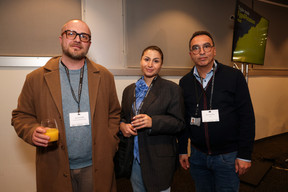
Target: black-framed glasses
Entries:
(71, 35)
(197, 48)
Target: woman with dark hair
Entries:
(152, 114)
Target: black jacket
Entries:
(158, 147)
(236, 129)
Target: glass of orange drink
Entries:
(51, 129)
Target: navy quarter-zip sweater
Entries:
(236, 129)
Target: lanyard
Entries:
(136, 111)
(199, 97)
(79, 87)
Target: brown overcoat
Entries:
(41, 98)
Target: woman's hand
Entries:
(141, 121)
(127, 129)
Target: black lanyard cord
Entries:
(80, 85)
(199, 97)
(212, 88)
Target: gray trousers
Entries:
(82, 179)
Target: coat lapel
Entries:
(94, 79)
(52, 77)
(151, 96)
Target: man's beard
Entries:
(75, 56)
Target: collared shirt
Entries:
(209, 75)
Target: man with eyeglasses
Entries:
(81, 96)
(220, 120)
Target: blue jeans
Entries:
(136, 178)
(214, 173)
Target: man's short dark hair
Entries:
(197, 33)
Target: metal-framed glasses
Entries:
(71, 35)
(196, 49)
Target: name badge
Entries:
(79, 119)
(210, 115)
(195, 121)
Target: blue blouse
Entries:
(140, 92)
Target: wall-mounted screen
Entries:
(250, 36)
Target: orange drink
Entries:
(53, 133)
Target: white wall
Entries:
(269, 96)
(17, 162)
